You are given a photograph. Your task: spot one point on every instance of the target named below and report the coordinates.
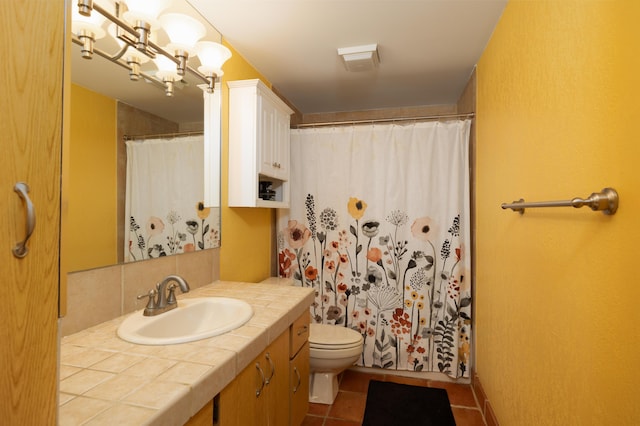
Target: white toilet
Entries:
(333, 349)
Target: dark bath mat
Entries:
(391, 404)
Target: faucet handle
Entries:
(171, 298)
(151, 295)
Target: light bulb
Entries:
(212, 57)
(183, 31)
(145, 10)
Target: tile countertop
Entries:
(105, 380)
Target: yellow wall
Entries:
(92, 153)
(556, 289)
(246, 232)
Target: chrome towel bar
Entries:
(605, 201)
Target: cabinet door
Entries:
(266, 132)
(299, 392)
(243, 401)
(32, 35)
(204, 417)
(280, 144)
(273, 140)
(277, 359)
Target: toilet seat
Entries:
(333, 337)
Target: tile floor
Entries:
(348, 408)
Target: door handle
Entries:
(20, 250)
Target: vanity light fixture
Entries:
(88, 28)
(167, 72)
(134, 23)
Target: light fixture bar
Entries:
(151, 53)
(122, 63)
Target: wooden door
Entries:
(31, 105)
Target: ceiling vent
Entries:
(360, 58)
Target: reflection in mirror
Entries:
(106, 106)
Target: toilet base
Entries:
(323, 388)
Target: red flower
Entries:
(342, 287)
(285, 262)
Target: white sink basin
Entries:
(193, 319)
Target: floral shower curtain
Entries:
(164, 193)
(379, 227)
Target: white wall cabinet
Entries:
(259, 124)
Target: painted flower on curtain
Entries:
(390, 280)
(157, 239)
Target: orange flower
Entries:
(374, 254)
(342, 287)
(311, 273)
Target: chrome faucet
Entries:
(163, 297)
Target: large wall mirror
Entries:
(107, 109)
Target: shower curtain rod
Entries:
(384, 120)
(163, 135)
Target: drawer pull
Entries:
(297, 386)
(259, 390)
(303, 330)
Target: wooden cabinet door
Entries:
(240, 402)
(278, 387)
(299, 392)
(243, 401)
(32, 36)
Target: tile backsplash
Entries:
(98, 295)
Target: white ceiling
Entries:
(427, 51)
(427, 48)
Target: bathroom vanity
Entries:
(255, 374)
